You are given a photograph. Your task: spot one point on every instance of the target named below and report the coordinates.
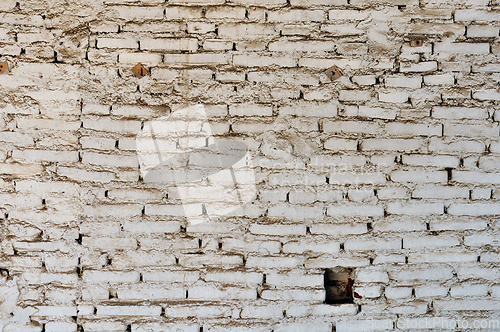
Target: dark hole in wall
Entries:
(338, 284)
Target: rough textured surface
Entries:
(390, 171)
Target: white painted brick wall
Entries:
(391, 170)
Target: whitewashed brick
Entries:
(296, 15)
(377, 113)
(444, 79)
(474, 209)
(429, 242)
(415, 208)
(413, 82)
(366, 244)
(169, 44)
(128, 311)
(392, 144)
(418, 67)
(393, 96)
(456, 113)
(462, 48)
(354, 95)
(117, 43)
(395, 293)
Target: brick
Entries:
(147, 327)
(341, 14)
(200, 27)
(129, 13)
(418, 67)
(393, 96)
(223, 12)
(462, 48)
(369, 292)
(367, 244)
(295, 280)
(110, 160)
(60, 327)
(354, 95)
(280, 230)
(297, 310)
(371, 275)
(117, 43)
(474, 209)
(241, 60)
(392, 144)
(429, 242)
(469, 290)
(296, 212)
(442, 256)
(431, 161)
(489, 94)
(297, 327)
(206, 292)
(415, 208)
(47, 155)
(150, 293)
(450, 146)
(435, 273)
(445, 192)
(395, 293)
(364, 79)
(363, 325)
(105, 124)
(486, 130)
(413, 129)
(171, 276)
(260, 2)
(444, 79)
(457, 113)
(412, 82)
(466, 305)
(343, 178)
(98, 326)
(327, 63)
(246, 30)
(419, 176)
(302, 247)
(476, 15)
(377, 113)
(55, 311)
(301, 46)
(273, 262)
(109, 243)
(48, 124)
(392, 192)
(169, 44)
(261, 312)
(338, 230)
(341, 144)
(486, 68)
(296, 15)
(344, 30)
(476, 177)
(482, 31)
(294, 295)
(250, 110)
(307, 3)
(217, 45)
(310, 109)
(128, 311)
(363, 3)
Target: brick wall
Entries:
(363, 159)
